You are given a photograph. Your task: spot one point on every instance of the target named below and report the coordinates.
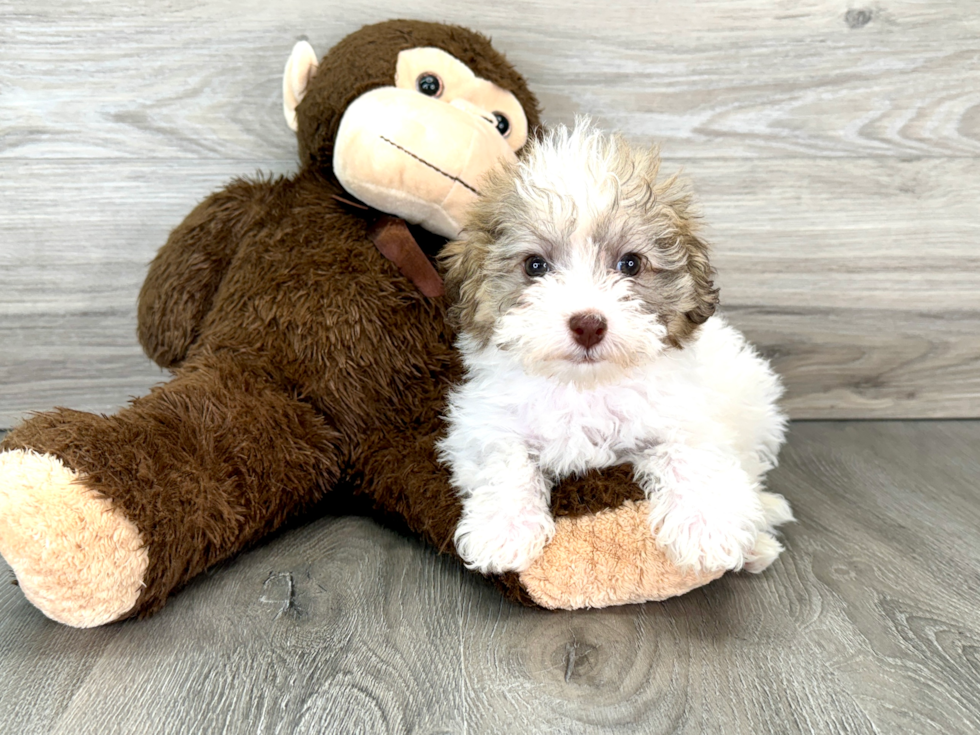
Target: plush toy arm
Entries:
(183, 278)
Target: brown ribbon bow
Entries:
(392, 238)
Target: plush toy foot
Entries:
(606, 558)
(78, 560)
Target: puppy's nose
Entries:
(588, 328)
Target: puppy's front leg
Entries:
(705, 509)
(506, 519)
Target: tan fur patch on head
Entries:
(581, 194)
(609, 558)
(467, 286)
(77, 559)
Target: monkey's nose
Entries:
(588, 328)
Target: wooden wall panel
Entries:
(834, 150)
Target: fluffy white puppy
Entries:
(584, 303)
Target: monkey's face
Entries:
(419, 149)
(418, 145)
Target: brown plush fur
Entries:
(303, 360)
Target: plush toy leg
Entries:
(195, 471)
(401, 472)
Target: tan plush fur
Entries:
(609, 558)
(86, 541)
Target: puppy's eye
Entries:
(429, 84)
(536, 266)
(503, 124)
(630, 264)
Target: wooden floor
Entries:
(868, 623)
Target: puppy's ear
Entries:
(702, 275)
(461, 262)
(703, 297)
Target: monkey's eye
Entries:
(630, 264)
(536, 266)
(503, 124)
(429, 84)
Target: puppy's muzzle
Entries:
(588, 328)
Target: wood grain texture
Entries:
(865, 307)
(834, 148)
(722, 77)
(76, 238)
(868, 623)
(339, 626)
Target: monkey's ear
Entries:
(300, 68)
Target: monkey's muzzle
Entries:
(417, 157)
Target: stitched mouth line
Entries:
(426, 163)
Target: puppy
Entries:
(583, 298)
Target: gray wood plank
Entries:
(868, 623)
(859, 363)
(338, 626)
(856, 233)
(720, 78)
(76, 238)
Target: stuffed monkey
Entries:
(310, 354)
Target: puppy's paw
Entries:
(503, 541)
(763, 553)
(775, 509)
(707, 548)
(702, 540)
